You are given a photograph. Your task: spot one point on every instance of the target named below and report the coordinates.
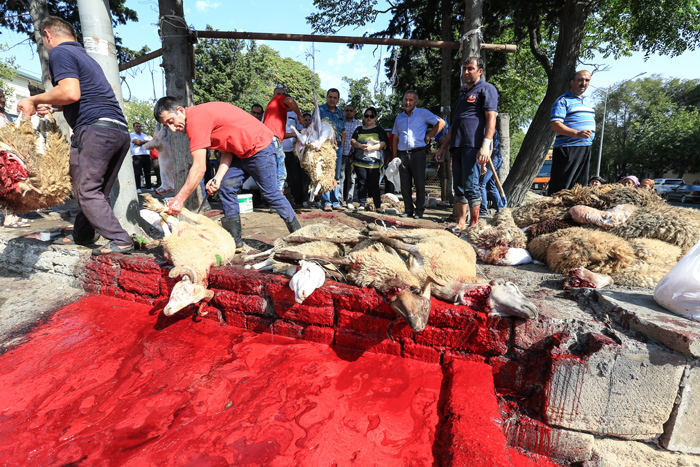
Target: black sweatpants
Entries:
(142, 165)
(412, 172)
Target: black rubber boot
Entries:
(293, 226)
(233, 226)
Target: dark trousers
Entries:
(297, 180)
(412, 172)
(96, 154)
(465, 176)
(142, 165)
(367, 182)
(262, 166)
(569, 167)
(156, 168)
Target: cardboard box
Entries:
(245, 202)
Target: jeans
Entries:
(331, 198)
(465, 176)
(487, 185)
(263, 168)
(281, 168)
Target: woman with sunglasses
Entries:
(369, 141)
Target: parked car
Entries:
(685, 194)
(664, 185)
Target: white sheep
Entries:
(161, 142)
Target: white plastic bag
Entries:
(392, 173)
(679, 290)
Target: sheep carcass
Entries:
(34, 167)
(161, 143)
(196, 244)
(316, 150)
(450, 263)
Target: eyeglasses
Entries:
(369, 116)
(349, 110)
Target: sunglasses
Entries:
(369, 116)
(349, 110)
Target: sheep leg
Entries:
(293, 257)
(399, 245)
(337, 241)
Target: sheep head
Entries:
(186, 292)
(413, 307)
(507, 300)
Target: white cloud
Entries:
(203, 5)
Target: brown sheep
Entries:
(595, 250)
(674, 225)
(655, 259)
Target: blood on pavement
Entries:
(104, 383)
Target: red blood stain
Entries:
(104, 383)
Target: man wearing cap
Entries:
(573, 120)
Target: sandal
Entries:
(455, 230)
(70, 240)
(111, 248)
(17, 225)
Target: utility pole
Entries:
(98, 40)
(446, 95)
(178, 65)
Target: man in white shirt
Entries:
(140, 157)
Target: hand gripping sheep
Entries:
(193, 247)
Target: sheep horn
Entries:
(188, 271)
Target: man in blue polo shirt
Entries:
(409, 144)
(574, 122)
(100, 134)
(329, 110)
(471, 140)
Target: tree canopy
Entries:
(14, 15)
(652, 126)
(140, 111)
(243, 73)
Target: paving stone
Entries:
(618, 453)
(682, 432)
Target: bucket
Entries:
(245, 202)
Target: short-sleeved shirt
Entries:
(362, 136)
(350, 127)
(292, 121)
(411, 129)
(573, 112)
(222, 126)
(97, 99)
(275, 116)
(469, 119)
(336, 118)
(137, 150)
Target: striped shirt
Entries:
(573, 112)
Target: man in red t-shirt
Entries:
(246, 148)
(275, 118)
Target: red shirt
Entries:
(276, 116)
(222, 126)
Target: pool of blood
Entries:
(106, 383)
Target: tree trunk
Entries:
(38, 10)
(177, 65)
(572, 23)
(446, 95)
(503, 127)
(98, 37)
(471, 45)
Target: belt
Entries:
(409, 151)
(108, 124)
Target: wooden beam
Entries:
(507, 48)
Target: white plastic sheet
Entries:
(392, 173)
(679, 290)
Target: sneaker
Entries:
(361, 208)
(306, 204)
(351, 206)
(138, 190)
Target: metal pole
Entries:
(602, 133)
(605, 108)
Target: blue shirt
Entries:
(336, 118)
(411, 128)
(571, 110)
(469, 119)
(97, 99)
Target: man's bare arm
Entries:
(66, 92)
(559, 128)
(194, 178)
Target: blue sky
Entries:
(333, 61)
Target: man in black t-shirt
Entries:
(100, 134)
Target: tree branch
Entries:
(537, 52)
